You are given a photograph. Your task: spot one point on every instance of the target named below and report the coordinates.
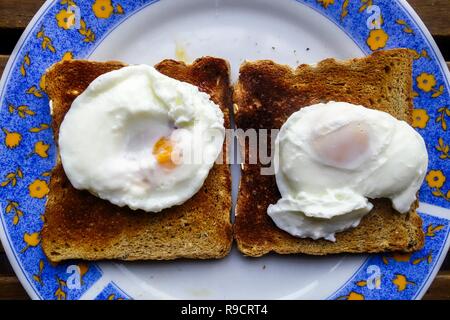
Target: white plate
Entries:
(285, 31)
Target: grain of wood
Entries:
(440, 289)
(434, 13)
(3, 61)
(11, 289)
(17, 14)
(5, 266)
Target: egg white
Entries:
(108, 136)
(326, 179)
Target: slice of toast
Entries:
(267, 94)
(79, 225)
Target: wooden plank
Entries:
(5, 266)
(17, 14)
(3, 61)
(434, 13)
(11, 289)
(440, 289)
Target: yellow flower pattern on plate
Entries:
(401, 282)
(23, 111)
(38, 189)
(401, 257)
(326, 3)
(35, 92)
(41, 149)
(421, 54)
(352, 296)
(13, 207)
(365, 5)
(67, 56)
(12, 139)
(31, 240)
(60, 293)
(38, 277)
(443, 113)
(444, 149)
(432, 230)
(47, 43)
(344, 9)
(12, 177)
(42, 127)
(406, 27)
(42, 82)
(427, 83)
(103, 9)
(436, 180)
(66, 19)
(112, 297)
(377, 39)
(25, 64)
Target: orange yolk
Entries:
(162, 150)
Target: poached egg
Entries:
(332, 158)
(138, 138)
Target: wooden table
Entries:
(15, 15)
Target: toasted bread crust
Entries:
(79, 225)
(267, 94)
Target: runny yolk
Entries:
(162, 150)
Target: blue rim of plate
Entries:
(27, 151)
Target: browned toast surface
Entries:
(267, 94)
(79, 225)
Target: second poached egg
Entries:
(332, 158)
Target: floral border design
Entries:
(401, 275)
